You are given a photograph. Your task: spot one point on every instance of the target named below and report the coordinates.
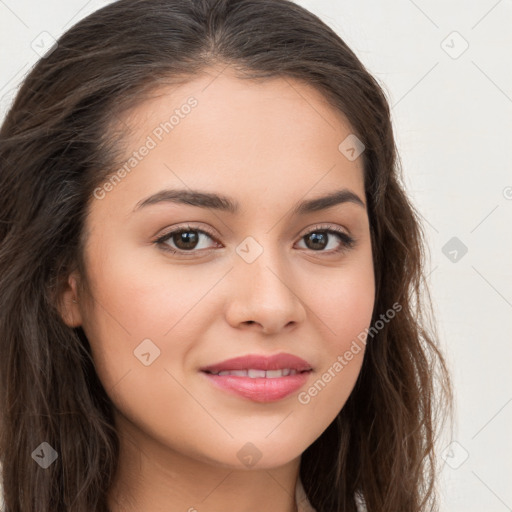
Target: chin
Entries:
(249, 456)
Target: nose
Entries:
(264, 296)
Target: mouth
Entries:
(260, 378)
(254, 373)
(254, 363)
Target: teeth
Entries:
(253, 374)
(258, 374)
(270, 374)
(240, 373)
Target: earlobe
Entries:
(69, 306)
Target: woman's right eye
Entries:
(185, 239)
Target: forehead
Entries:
(239, 134)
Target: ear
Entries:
(69, 303)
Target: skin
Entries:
(267, 145)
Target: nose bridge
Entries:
(263, 289)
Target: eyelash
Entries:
(347, 242)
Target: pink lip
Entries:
(260, 362)
(260, 389)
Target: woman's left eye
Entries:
(320, 236)
(188, 238)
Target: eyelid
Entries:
(323, 227)
(161, 239)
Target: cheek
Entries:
(351, 308)
(140, 333)
(342, 308)
(344, 302)
(135, 301)
(144, 299)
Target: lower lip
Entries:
(260, 389)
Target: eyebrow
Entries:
(224, 203)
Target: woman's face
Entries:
(261, 278)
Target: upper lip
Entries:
(260, 362)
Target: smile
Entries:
(259, 385)
(258, 374)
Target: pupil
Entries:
(186, 237)
(318, 237)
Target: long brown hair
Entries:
(56, 146)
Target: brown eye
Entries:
(320, 238)
(184, 239)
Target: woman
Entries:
(210, 274)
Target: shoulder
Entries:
(303, 504)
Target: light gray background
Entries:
(452, 113)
